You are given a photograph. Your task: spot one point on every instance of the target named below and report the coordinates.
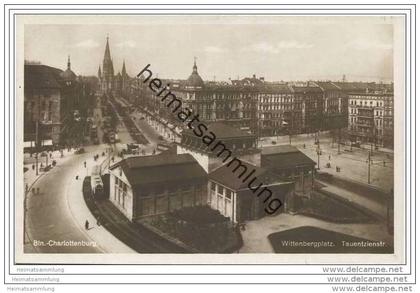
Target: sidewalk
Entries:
(80, 212)
(30, 176)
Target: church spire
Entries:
(107, 55)
(123, 71)
(68, 63)
(99, 71)
(195, 65)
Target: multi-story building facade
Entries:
(335, 106)
(371, 117)
(260, 107)
(279, 111)
(52, 100)
(311, 97)
(231, 104)
(42, 104)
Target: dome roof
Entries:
(195, 79)
(68, 75)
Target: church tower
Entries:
(107, 77)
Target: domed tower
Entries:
(68, 76)
(107, 79)
(69, 98)
(194, 81)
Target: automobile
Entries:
(80, 151)
(132, 146)
(76, 115)
(47, 168)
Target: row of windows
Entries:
(120, 192)
(221, 190)
(170, 190)
(280, 107)
(365, 103)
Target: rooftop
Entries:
(160, 169)
(328, 86)
(225, 176)
(223, 131)
(284, 157)
(42, 76)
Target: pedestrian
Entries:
(103, 154)
(329, 157)
(50, 155)
(98, 222)
(37, 191)
(384, 163)
(33, 191)
(87, 225)
(77, 177)
(33, 167)
(304, 145)
(26, 188)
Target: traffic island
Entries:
(334, 209)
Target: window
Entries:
(219, 189)
(213, 186)
(228, 194)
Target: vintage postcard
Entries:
(258, 139)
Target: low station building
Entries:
(290, 164)
(233, 198)
(195, 175)
(240, 143)
(153, 185)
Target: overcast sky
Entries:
(278, 48)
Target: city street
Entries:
(48, 214)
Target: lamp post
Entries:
(368, 162)
(319, 153)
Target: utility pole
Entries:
(339, 140)
(24, 216)
(368, 167)
(318, 151)
(36, 147)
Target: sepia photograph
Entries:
(269, 138)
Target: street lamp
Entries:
(319, 153)
(368, 162)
